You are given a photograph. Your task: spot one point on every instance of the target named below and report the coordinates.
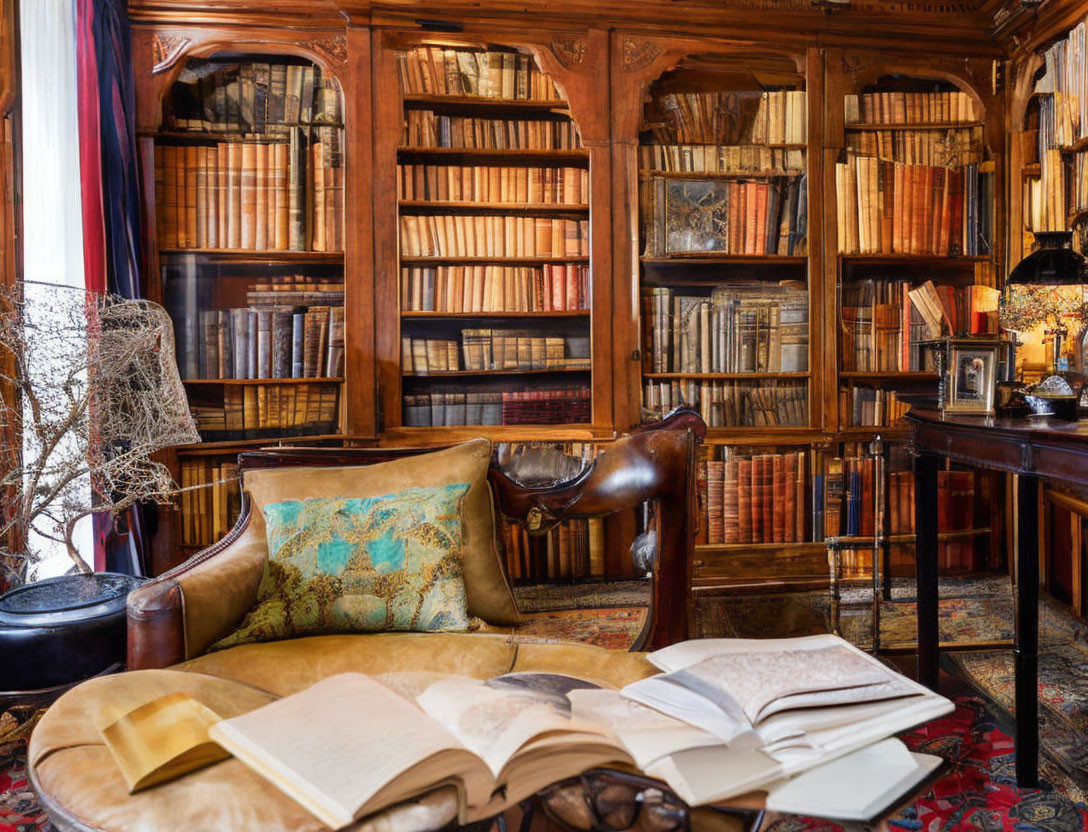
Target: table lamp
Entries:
(1048, 287)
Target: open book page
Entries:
(647, 734)
(715, 773)
(348, 746)
(756, 680)
(717, 714)
(495, 718)
(684, 653)
(859, 786)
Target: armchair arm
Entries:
(656, 464)
(178, 615)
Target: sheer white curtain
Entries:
(52, 218)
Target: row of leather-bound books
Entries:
(708, 216)
(756, 499)
(738, 117)
(870, 407)
(493, 183)
(731, 404)
(265, 343)
(256, 410)
(891, 107)
(567, 404)
(552, 287)
(942, 147)
(1045, 207)
(736, 329)
(891, 207)
(494, 349)
(426, 128)
(885, 322)
(434, 70)
(268, 196)
(493, 236)
(720, 158)
(252, 97)
(1066, 81)
(572, 550)
(210, 500)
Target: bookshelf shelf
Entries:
(484, 373)
(724, 259)
(231, 135)
(727, 376)
(920, 125)
(851, 375)
(720, 175)
(728, 548)
(443, 436)
(263, 256)
(462, 103)
(231, 382)
(751, 435)
(500, 261)
(217, 447)
(890, 433)
(917, 260)
(1076, 147)
(451, 155)
(571, 313)
(1032, 170)
(545, 209)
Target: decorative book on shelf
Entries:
(884, 322)
(494, 200)
(910, 185)
(251, 158)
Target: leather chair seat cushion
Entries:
(79, 782)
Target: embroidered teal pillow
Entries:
(360, 565)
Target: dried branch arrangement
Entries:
(90, 391)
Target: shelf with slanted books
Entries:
(494, 207)
(723, 266)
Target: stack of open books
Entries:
(807, 721)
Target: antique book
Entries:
(780, 708)
(165, 738)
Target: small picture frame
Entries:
(972, 371)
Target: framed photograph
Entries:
(971, 375)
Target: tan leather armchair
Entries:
(174, 619)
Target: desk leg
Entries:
(1026, 652)
(925, 526)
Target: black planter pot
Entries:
(61, 630)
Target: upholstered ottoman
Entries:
(81, 788)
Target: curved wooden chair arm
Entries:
(655, 464)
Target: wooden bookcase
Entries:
(246, 155)
(493, 161)
(605, 122)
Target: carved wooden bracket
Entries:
(165, 51)
(638, 54)
(333, 49)
(569, 50)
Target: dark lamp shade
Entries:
(1053, 263)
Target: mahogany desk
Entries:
(1035, 449)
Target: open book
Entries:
(776, 708)
(790, 717)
